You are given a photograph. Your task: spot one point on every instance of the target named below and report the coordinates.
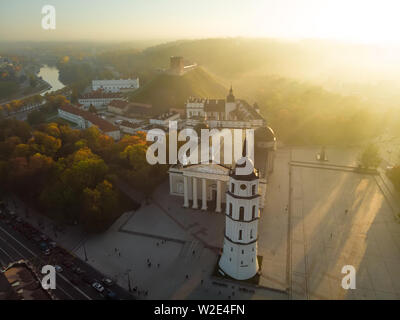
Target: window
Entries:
(242, 251)
(240, 234)
(253, 189)
(241, 214)
(230, 209)
(251, 233)
(253, 214)
(233, 188)
(231, 249)
(243, 186)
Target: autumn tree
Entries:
(370, 157)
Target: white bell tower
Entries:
(239, 257)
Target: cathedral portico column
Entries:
(204, 194)
(195, 204)
(185, 192)
(218, 209)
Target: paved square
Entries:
(341, 218)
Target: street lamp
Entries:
(129, 282)
(84, 250)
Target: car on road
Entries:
(53, 244)
(111, 295)
(43, 245)
(87, 280)
(44, 237)
(58, 268)
(68, 263)
(78, 270)
(108, 282)
(98, 287)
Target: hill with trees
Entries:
(167, 91)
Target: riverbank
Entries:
(42, 89)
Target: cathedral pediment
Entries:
(207, 169)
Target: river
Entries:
(50, 75)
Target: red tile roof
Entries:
(102, 124)
(120, 104)
(100, 94)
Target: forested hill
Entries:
(166, 91)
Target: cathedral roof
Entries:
(214, 105)
(264, 134)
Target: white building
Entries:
(131, 127)
(84, 119)
(164, 119)
(239, 257)
(228, 113)
(115, 85)
(99, 99)
(203, 186)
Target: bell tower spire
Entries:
(230, 97)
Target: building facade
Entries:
(227, 113)
(115, 85)
(84, 119)
(99, 99)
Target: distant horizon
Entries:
(160, 41)
(355, 21)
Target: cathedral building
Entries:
(215, 187)
(204, 186)
(226, 113)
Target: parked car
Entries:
(108, 282)
(98, 287)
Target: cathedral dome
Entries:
(264, 134)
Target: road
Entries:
(14, 246)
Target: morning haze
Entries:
(106, 105)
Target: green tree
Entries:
(370, 157)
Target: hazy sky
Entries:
(370, 21)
